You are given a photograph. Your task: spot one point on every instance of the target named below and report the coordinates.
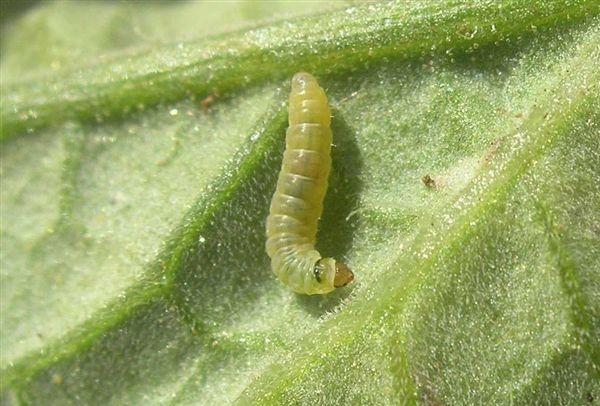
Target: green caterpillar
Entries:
(298, 200)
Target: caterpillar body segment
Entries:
(298, 200)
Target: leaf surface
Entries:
(464, 195)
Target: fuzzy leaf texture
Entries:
(140, 149)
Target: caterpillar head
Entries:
(343, 275)
(338, 271)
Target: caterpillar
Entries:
(297, 202)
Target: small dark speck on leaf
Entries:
(209, 100)
(491, 152)
(428, 181)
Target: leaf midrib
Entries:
(118, 97)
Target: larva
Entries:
(298, 200)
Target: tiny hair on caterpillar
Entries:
(297, 203)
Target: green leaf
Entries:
(140, 149)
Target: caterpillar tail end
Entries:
(343, 275)
(301, 78)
